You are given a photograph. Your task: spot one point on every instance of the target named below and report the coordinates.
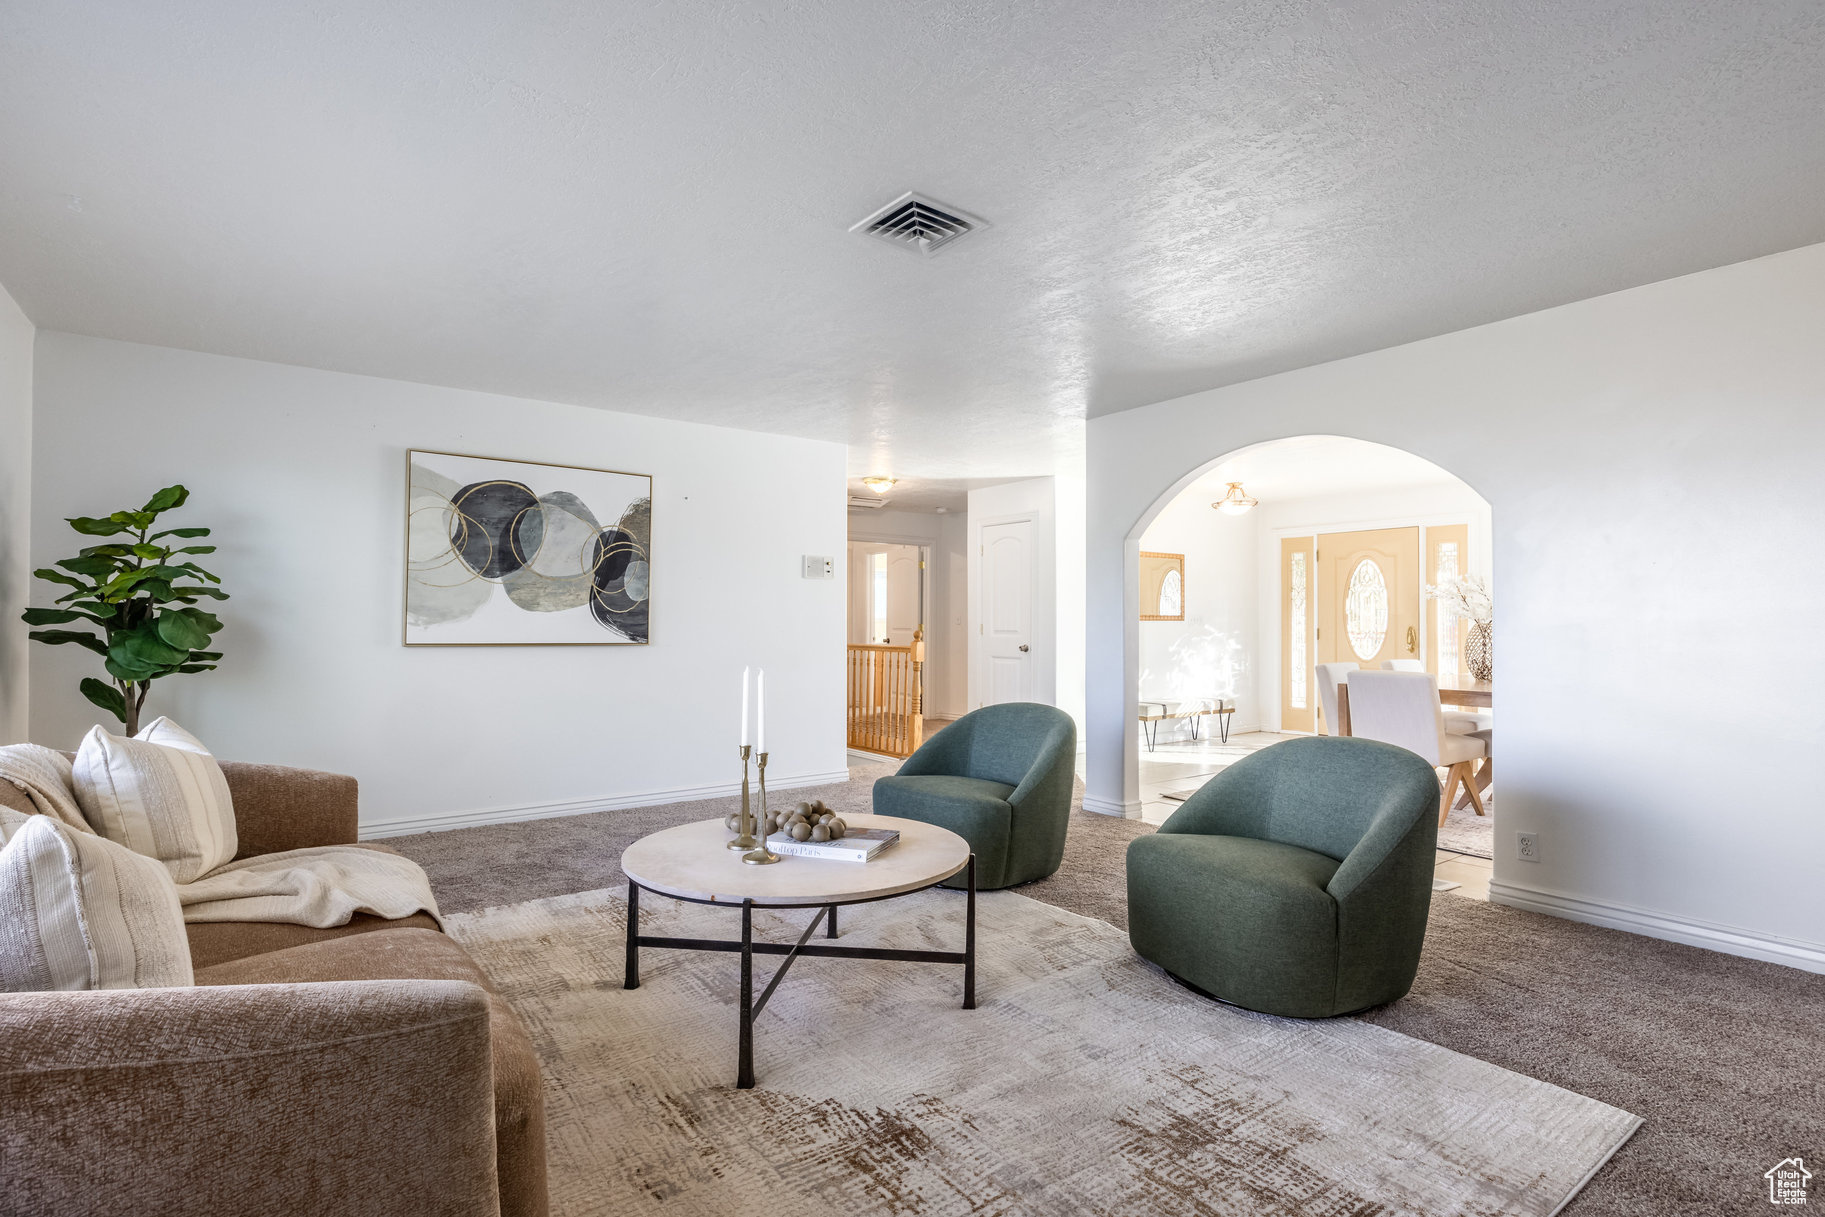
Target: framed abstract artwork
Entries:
(521, 553)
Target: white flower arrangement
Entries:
(1467, 596)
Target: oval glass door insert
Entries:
(1365, 610)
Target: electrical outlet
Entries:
(819, 567)
(1527, 846)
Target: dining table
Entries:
(1465, 692)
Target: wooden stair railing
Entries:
(885, 704)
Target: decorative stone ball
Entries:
(803, 809)
(801, 831)
(820, 833)
(837, 828)
(732, 821)
(772, 825)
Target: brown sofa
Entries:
(362, 1070)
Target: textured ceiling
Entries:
(644, 206)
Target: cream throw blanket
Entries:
(322, 886)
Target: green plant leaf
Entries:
(195, 549)
(211, 656)
(104, 695)
(207, 620)
(122, 669)
(45, 616)
(106, 551)
(151, 553)
(88, 564)
(194, 569)
(195, 667)
(137, 519)
(180, 532)
(89, 526)
(57, 576)
(159, 591)
(177, 630)
(59, 637)
(214, 593)
(166, 499)
(142, 645)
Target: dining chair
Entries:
(1330, 675)
(1458, 722)
(1402, 708)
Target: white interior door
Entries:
(1007, 612)
(905, 593)
(886, 593)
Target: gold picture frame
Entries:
(504, 552)
(1162, 586)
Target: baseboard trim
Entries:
(1729, 940)
(443, 821)
(1112, 807)
(875, 758)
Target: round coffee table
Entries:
(691, 862)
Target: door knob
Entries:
(1025, 647)
(1412, 641)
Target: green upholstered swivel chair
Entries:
(1000, 778)
(1296, 882)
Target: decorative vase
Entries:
(1479, 650)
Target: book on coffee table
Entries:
(856, 845)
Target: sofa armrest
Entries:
(277, 808)
(359, 1098)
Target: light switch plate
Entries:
(819, 567)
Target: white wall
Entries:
(301, 472)
(1213, 652)
(15, 514)
(946, 651)
(1653, 462)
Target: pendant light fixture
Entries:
(1235, 502)
(880, 485)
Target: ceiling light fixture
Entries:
(879, 485)
(1235, 502)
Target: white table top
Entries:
(694, 862)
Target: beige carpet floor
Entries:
(1085, 1082)
(1716, 1053)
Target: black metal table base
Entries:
(748, 948)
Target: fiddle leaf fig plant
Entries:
(134, 602)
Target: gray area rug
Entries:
(1703, 1046)
(1085, 1082)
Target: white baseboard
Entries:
(1112, 807)
(443, 821)
(875, 758)
(1807, 956)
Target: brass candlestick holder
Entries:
(744, 838)
(760, 855)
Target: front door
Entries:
(1368, 596)
(1298, 695)
(1007, 612)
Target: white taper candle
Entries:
(760, 712)
(744, 706)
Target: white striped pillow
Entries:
(160, 794)
(80, 912)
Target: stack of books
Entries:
(856, 845)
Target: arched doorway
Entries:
(1267, 573)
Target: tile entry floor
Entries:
(1185, 764)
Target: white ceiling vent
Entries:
(857, 502)
(917, 223)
